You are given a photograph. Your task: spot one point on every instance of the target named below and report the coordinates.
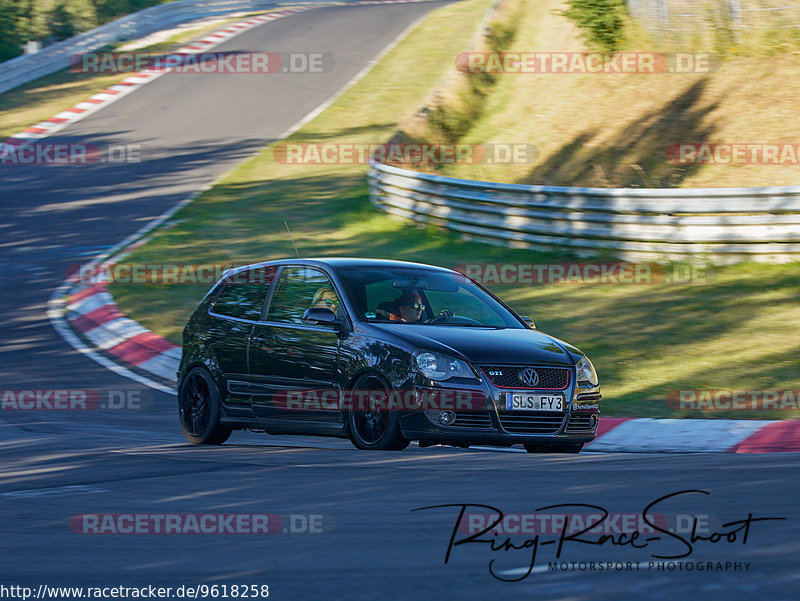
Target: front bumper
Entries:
(494, 425)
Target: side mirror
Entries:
(320, 316)
(529, 321)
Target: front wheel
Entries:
(374, 427)
(199, 409)
(533, 447)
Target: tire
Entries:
(533, 447)
(199, 409)
(375, 430)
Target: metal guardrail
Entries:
(723, 225)
(690, 16)
(22, 69)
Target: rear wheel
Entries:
(199, 409)
(533, 447)
(374, 427)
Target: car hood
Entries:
(485, 345)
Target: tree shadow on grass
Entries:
(637, 157)
(310, 137)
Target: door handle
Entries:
(261, 341)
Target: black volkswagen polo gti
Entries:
(382, 352)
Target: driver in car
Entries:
(325, 298)
(407, 307)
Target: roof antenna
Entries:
(291, 238)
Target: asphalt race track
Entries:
(56, 465)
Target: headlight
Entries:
(586, 373)
(437, 366)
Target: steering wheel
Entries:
(443, 316)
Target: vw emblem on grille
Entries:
(529, 376)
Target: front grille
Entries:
(508, 376)
(579, 422)
(546, 422)
(472, 419)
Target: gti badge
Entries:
(529, 376)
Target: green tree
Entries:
(50, 21)
(71, 17)
(601, 21)
(10, 40)
(33, 21)
(108, 10)
(111, 9)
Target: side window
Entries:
(379, 293)
(243, 294)
(298, 289)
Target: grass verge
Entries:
(614, 129)
(731, 331)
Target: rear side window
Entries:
(243, 294)
(298, 289)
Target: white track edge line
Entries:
(56, 301)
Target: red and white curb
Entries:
(645, 435)
(91, 311)
(133, 82)
(83, 109)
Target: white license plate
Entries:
(525, 401)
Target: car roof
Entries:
(339, 262)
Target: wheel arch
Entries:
(210, 364)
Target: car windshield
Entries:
(423, 297)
